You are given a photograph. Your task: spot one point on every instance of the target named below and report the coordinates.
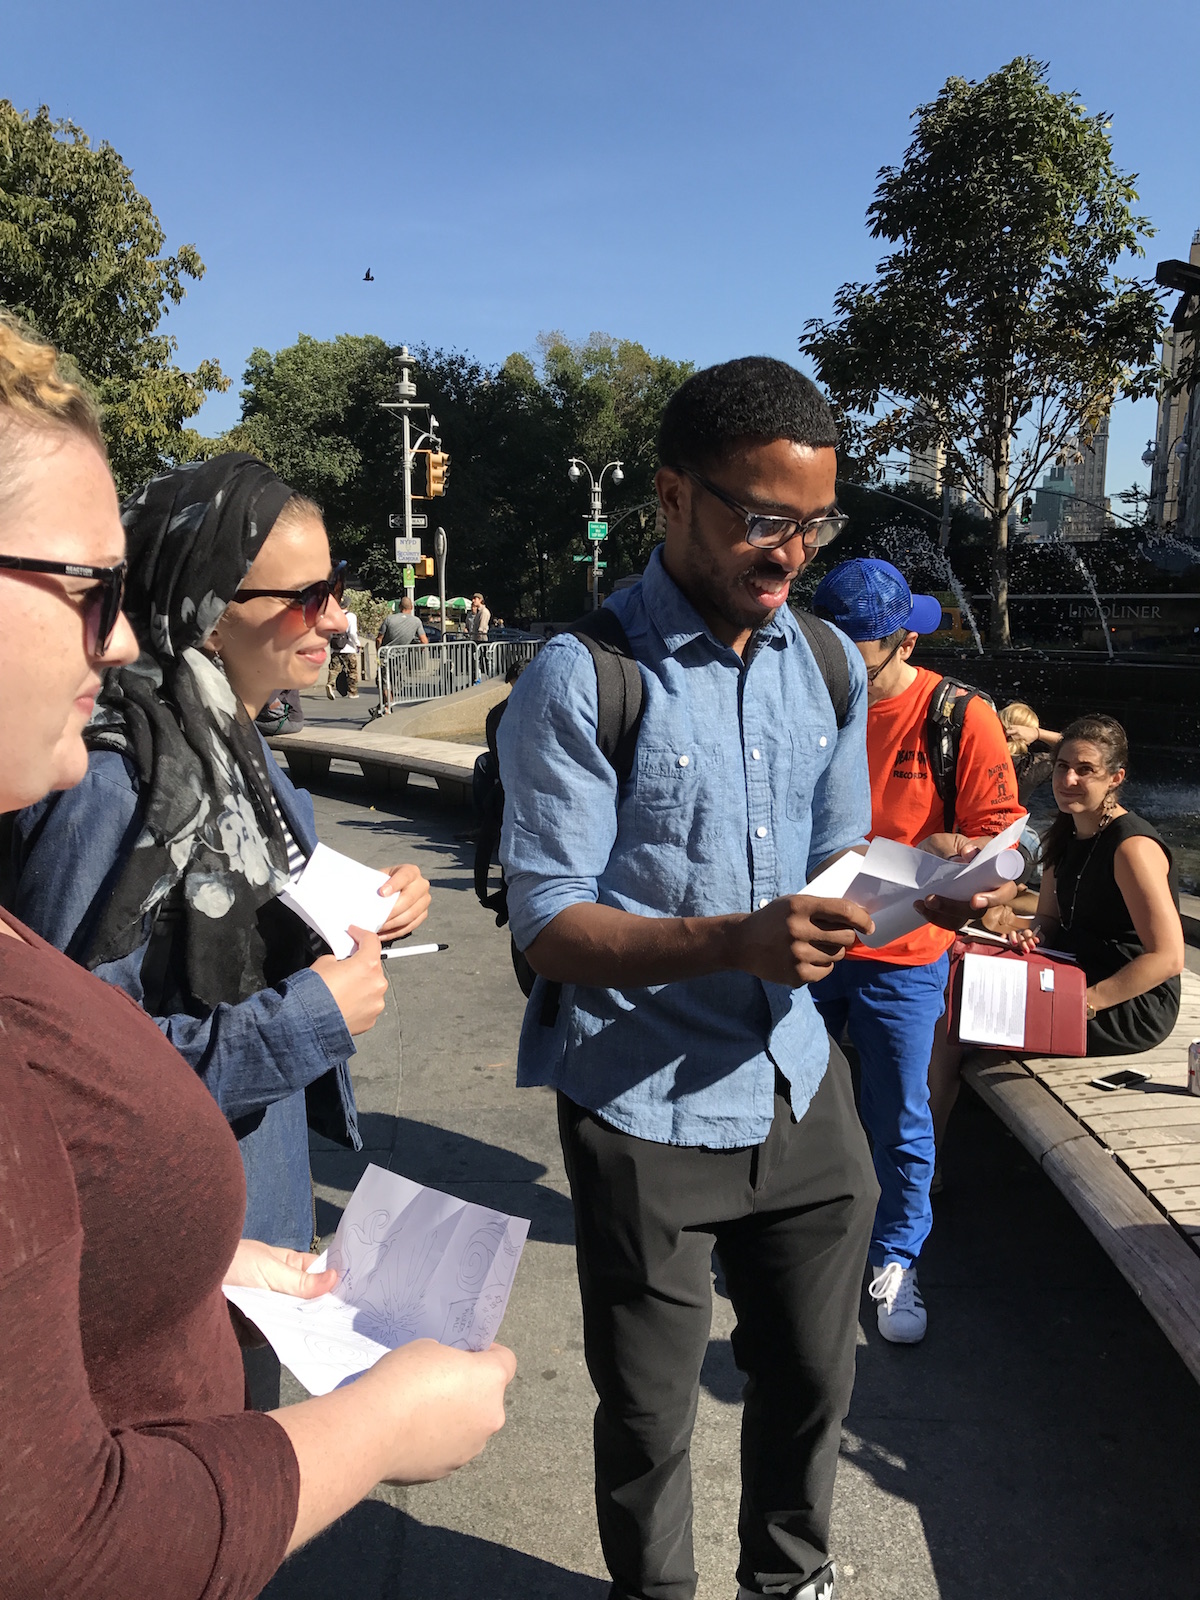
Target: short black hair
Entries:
(754, 400)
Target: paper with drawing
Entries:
(891, 876)
(414, 1264)
(335, 892)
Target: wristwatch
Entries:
(1089, 1010)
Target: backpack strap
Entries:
(619, 689)
(943, 735)
(831, 659)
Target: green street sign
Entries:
(410, 577)
(597, 530)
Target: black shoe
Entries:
(819, 1587)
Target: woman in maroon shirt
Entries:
(130, 1467)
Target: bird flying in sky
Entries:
(368, 276)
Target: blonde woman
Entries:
(131, 1470)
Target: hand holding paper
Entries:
(335, 893)
(891, 876)
(413, 1264)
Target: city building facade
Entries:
(1174, 462)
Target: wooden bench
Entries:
(1128, 1160)
(385, 758)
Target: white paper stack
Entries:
(414, 1264)
(335, 892)
(890, 877)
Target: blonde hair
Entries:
(35, 393)
(299, 509)
(1017, 715)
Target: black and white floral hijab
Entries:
(212, 842)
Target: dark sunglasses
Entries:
(101, 607)
(768, 533)
(312, 600)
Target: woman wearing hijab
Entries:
(161, 871)
(130, 1469)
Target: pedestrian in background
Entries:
(479, 620)
(343, 660)
(401, 627)
(161, 870)
(131, 1467)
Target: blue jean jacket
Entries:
(277, 1060)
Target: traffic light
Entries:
(424, 567)
(1027, 508)
(439, 467)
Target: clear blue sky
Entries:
(691, 175)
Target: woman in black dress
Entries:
(1109, 896)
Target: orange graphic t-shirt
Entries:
(905, 804)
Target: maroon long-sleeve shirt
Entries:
(128, 1465)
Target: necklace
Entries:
(1087, 861)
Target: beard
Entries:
(711, 589)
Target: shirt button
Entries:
(760, 833)
(822, 741)
(756, 755)
(763, 902)
(683, 761)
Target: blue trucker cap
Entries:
(868, 599)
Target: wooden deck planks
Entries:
(1128, 1160)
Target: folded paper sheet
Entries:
(414, 1264)
(890, 877)
(335, 892)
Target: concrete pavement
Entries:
(1043, 1442)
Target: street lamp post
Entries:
(406, 402)
(576, 468)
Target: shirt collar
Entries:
(677, 620)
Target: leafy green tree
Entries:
(312, 412)
(998, 327)
(81, 261)
(512, 517)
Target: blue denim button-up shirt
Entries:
(742, 785)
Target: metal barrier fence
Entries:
(496, 659)
(411, 673)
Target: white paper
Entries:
(335, 892)
(414, 1264)
(993, 1001)
(1046, 979)
(891, 876)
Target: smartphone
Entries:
(1120, 1080)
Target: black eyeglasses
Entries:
(878, 668)
(312, 599)
(768, 533)
(101, 608)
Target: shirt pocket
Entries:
(810, 757)
(678, 790)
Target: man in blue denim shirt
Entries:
(700, 1101)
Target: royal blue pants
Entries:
(890, 1013)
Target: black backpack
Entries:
(943, 735)
(619, 706)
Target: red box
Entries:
(1055, 1019)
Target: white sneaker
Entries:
(901, 1311)
(329, 690)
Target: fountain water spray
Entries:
(918, 550)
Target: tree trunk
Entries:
(1001, 638)
(999, 585)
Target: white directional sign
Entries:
(408, 550)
